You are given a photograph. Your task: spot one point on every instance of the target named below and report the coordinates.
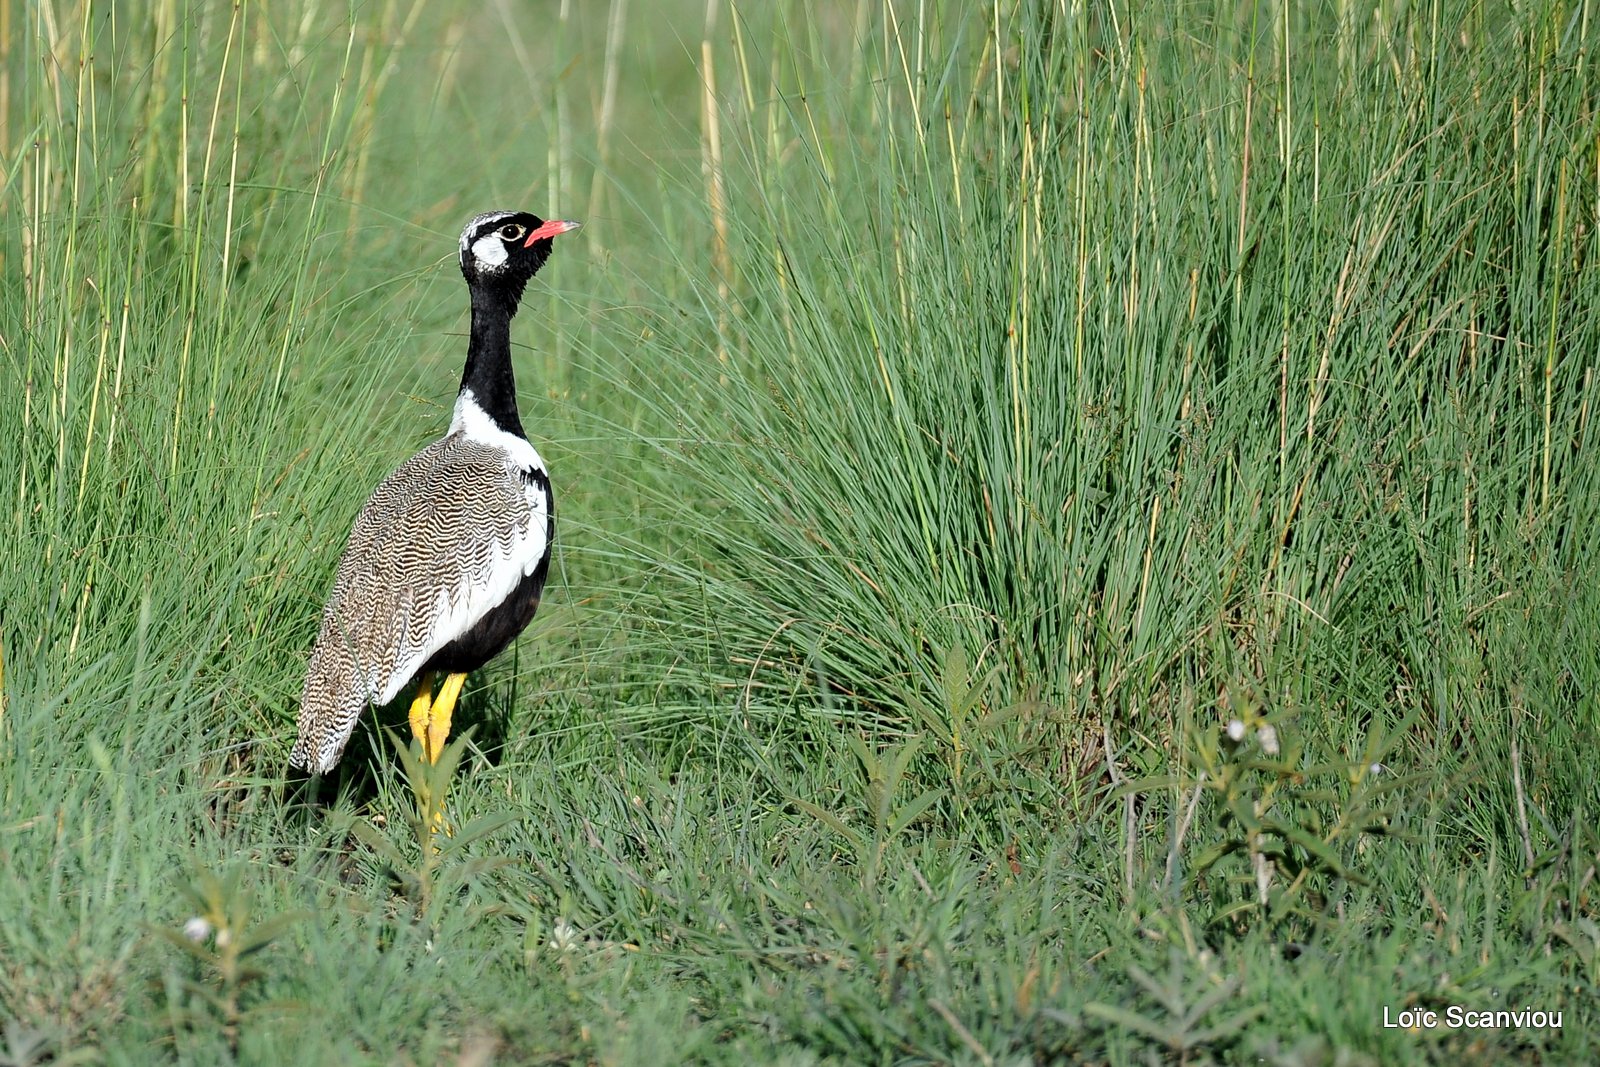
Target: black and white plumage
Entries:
(445, 564)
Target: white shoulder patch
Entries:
(475, 424)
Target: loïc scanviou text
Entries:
(1456, 1017)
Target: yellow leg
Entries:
(444, 705)
(420, 707)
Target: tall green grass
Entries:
(1144, 380)
(1075, 530)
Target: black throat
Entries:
(488, 372)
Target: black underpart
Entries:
(497, 629)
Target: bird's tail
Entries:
(330, 704)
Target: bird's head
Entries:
(501, 250)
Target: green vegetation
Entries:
(1078, 531)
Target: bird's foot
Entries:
(422, 712)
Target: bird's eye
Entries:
(513, 231)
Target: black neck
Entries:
(488, 373)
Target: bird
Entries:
(446, 562)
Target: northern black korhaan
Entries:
(445, 564)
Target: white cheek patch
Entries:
(490, 252)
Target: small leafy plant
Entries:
(442, 862)
(222, 940)
(1290, 815)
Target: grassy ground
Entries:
(1078, 531)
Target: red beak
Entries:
(549, 230)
